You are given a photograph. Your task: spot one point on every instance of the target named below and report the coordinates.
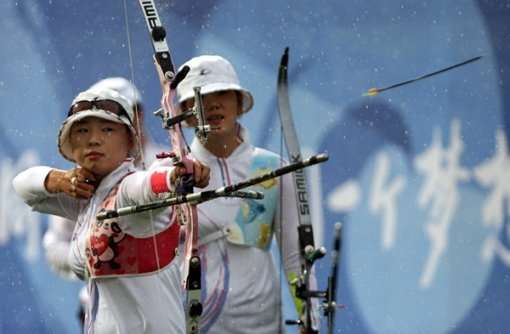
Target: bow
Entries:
(171, 121)
(185, 200)
(309, 254)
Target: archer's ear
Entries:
(131, 140)
(131, 143)
(239, 103)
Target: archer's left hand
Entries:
(201, 174)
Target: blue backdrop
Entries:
(417, 175)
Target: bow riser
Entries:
(186, 213)
(158, 36)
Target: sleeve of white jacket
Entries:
(29, 185)
(57, 243)
(146, 187)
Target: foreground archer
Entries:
(129, 262)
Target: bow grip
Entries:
(186, 181)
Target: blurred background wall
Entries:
(418, 175)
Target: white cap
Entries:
(211, 74)
(123, 86)
(64, 140)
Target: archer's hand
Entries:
(82, 183)
(201, 174)
(78, 182)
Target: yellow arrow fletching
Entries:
(371, 92)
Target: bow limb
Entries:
(308, 253)
(187, 212)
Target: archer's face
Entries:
(100, 146)
(221, 110)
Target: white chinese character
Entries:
(16, 218)
(495, 174)
(440, 194)
(383, 199)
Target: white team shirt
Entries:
(240, 284)
(151, 303)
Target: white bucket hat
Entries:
(121, 85)
(125, 117)
(211, 74)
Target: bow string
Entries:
(187, 212)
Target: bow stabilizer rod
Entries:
(226, 191)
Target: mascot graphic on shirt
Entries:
(104, 243)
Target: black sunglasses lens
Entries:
(79, 106)
(110, 106)
(107, 105)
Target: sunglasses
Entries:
(108, 105)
